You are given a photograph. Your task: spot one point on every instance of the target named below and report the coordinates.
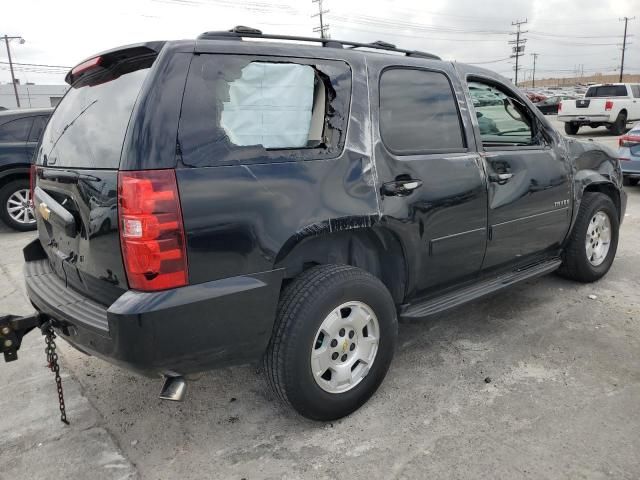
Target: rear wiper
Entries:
(68, 176)
(66, 127)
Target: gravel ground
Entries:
(540, 381)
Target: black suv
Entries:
(218, 201)
(20, 131)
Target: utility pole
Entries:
(322, 28)
(518, 44)
(13, 78)
(533, 78)
(624, 44)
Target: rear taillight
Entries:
(559, 107)
(628, 140)
(608, 105)
(32, 182)
(151, 230)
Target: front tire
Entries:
(15, 208)
(630, 182)
(333, 341)
(593, 241)
(571, 128)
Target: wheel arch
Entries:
(14, 173)
(375, 249)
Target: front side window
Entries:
(261, 109)
(16, 130)
(503, 120)
(418, 112)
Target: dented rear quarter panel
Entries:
(240, 218)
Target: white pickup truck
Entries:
(609, 104)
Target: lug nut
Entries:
(334, 343)
(342, 332)
(352, 347)
(351, 334)
(344, 357)
(334, 355)
(8, 343)
(6, 331)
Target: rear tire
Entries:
(620, 125)
(295, 363)
(12, 208)
(571, 128)
(584, 258)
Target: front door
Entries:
(432, 186)
(529, 176)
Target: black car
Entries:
(549, 106)
(20, 131)
(287, 203)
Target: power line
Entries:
(624, 44)
(38, 65)
(518, 44)
(533, 76)
(323, 28)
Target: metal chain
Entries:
(52, 364)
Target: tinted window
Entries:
(39, 123)
(607, 91)
(16, 130)
(88, 127)
(258, 109)
(502, 117)
(418, 112)
(636, 90)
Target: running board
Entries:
(453, 299)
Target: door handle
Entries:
(500, 177)
(400, 188)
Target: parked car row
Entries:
(629, 155)
(20, 131)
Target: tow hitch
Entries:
(12, 331)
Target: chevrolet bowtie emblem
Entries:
(44, 210)
(345, 346)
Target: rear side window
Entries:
(636, 91)
(607, 91)
(87, 129)
(39, 123)
(263, 109)
(418, 112)
(16, 130)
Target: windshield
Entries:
(607, 91)
(88, 127)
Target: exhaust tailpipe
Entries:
(173, 388)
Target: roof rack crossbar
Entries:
(240, 32)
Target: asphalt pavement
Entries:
(537, 382)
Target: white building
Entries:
(31, 96)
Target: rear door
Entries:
(77, 175)
(433, 190)
(529, 177)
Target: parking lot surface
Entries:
(540, 381)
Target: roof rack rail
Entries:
(240, 32)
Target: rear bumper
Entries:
(178, 331)
(586, 119)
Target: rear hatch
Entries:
(77, 163)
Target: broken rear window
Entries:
(243, 109)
